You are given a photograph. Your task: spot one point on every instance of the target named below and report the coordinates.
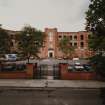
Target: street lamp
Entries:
(27, 42)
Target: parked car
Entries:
(77, 63)
(75, 59)
(11, 57)
(59, 58)
(9, 67)
(79, 67)
(87, 67)
(71, 68)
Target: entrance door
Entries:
(50, 54)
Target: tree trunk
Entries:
(28, 60)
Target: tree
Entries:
(4, 42)
(65, 47)
(99, 64)
(95, 17)
(30, 41)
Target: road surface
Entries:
(50, 96)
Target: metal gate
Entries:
(45, 71)
(56, 72)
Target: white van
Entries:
(75, 59)
(11, 57)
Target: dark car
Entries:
(87, 67)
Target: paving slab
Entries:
(51, 83)
(21, 83)
(76, 83)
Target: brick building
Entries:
(51, 44)
(77, 39)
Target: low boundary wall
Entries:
(79, 75)
(26, 74)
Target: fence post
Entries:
(35, 70)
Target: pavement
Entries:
(29, 83)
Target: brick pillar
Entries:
(30, 70)
(63, 70)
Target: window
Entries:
(81, 37)
(75, 37)
(60, 36)
(64, 36)
(71, 44)
(70, 37)
(82, 44)
(75, 44)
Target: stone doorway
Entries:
(50, 54)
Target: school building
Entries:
(51, 48)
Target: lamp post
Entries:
(26, 46)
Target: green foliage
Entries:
(99, 64)
(30, 41)
(64, 46)
(95, 17)
(97, 43)
(4, 42)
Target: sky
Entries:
(66, 15)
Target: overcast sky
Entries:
(66, 15)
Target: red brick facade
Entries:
(51, 44)
(77, 39)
